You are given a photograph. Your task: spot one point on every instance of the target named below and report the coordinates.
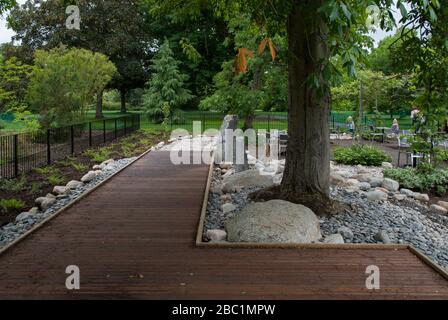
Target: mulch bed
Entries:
(69, 172)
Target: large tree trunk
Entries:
(99, 105)
(307, 171)
(123, 101)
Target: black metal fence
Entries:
(22, 152)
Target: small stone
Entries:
(89, 176)
(390, 185)
(46, 203)
(49, 195)
(216, 190)
(364, 186)
(376, 182)
(228, 207)
(98, 167)
(438, 209)
(376, 196)
(59, 190)
(334, 239)
(399, 196)
(346, 233)
(74, 184)
(387, 165)
(423, 197)
(107, 162)
(226, 197)
(216, 235)
(351, 183)
(382, 236)
(361, 169)
(160, 145)
(34, 210)
(443, 204)
(23, 216)
(408, 193)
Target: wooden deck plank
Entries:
(134, 237)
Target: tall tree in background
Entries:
(165, 90)
(118, 29)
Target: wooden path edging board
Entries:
(348, 246)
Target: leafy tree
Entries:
(14, 77)
(200, 43)
(64, 82)
(118, 29)
(165, 90)
(6, 5)
(317, 30)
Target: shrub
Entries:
(99, 155)
(360, 154)
(7, 205)
(56, 178)
(418, 179)
(13, 185)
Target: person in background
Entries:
(414, 115)
(351, 125)
(395, 127)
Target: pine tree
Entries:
(165, 92)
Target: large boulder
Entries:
(274, 221)
(246, 178)
(74, 184)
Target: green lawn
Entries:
(209, 120)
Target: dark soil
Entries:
(124, 147)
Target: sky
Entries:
(6, 34)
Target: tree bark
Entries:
(123, 101)
(99, 105)
(306, 179)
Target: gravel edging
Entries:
(15, 230)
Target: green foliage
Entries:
(44, 170)
(360, 154)
(13, 185)
(98, 155)
(64, 82)
(56, 178)
(6, 5)
(14, 77)
(420, 179)
(7, 205)
(165, 91)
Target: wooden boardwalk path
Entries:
(134, 238)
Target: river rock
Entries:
(89, 176)
(216, 235)
(376, 196)
(407, 193)
(334, 239)
(391, 185)
(346, 233)
(443, 204)
(74, 184)
(23, 216)
(376, 182)
(423, 197)
(438, 209)
(274, 221)
(245, 179)
(387, 165)
(364, 186)
(58, 190)
(382, 236)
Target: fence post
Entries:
(269, 121)
(16, 155)
(90, 134)
(48, 147)
(203, 122)
(104, 131)
(72, 139)
(115, 130)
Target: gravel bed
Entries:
(14, 230)
(392, 221)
